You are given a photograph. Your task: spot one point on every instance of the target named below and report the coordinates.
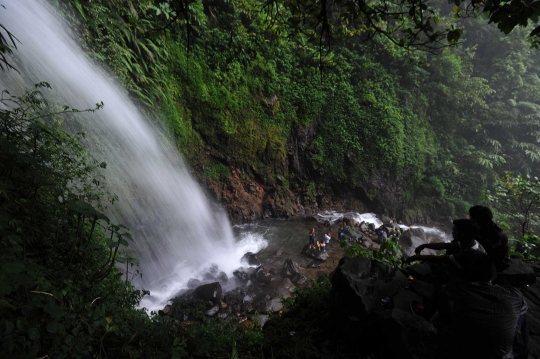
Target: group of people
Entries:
(321, 246)
(477, 317)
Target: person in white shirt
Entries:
(327, 238)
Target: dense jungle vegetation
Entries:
(236, 85)
(237, 88)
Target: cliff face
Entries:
(248, 199)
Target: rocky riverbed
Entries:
(258, 287)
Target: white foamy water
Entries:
(333, 217)
(176, 231)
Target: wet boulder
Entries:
(210, 292)
(290, 269)
(350, 221)
(241, 275)
(411, 239)
(354, 233)
(250, 259)
(280, 287)
(261, 276)
(315, 253)
(299, 279)
(274, 305)
(212, 311)
(364, 227)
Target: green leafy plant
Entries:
(389, 252)
(517, 201)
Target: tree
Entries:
(517, 201)
(409, 23)
(7, 43)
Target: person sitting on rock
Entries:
(322, 246)
(492, 237)
(464, 232)
(487, 319)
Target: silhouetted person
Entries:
(492, 237)
(485, 317)
(465, 232)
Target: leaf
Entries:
(13, 267)
(54, 327)
(33, 334)
(5, 305)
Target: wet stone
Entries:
(274, 305)
(212, 311)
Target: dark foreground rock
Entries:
(373, 303)
(258, 291)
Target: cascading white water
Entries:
(176, 232)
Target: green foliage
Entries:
(216, 171)
(304, 325)
(61, 292)
(8, 42)
(517, 199)
(389, 252)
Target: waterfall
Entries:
(176, 230)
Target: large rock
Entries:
(354, 234)
(290, 269)
(251, 259)
(208, 292)
(261, 276)
(356, 278)
(407, 335)
(412, 238)
(350, 221)
(280, 287)
(299, 279)
(241, 275)
(315, 253)
(274, 305)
